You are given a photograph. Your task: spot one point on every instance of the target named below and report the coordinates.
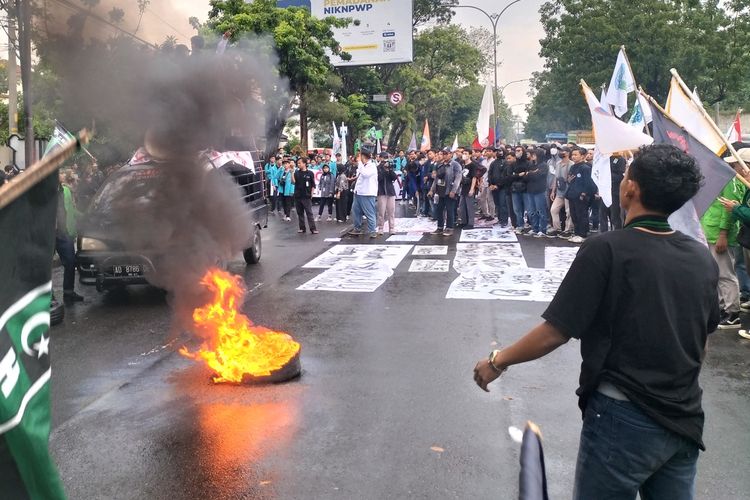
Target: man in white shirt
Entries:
(365, 194)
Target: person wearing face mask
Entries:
(468, 190)
(446, 185)
(559, 202)
(536, 193)
(518, 188)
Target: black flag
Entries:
(717, 172)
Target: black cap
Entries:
(446, 150)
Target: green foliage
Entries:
(432, 10)
(709, 46)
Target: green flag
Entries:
(28, 229)
(59, 136)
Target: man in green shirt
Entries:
(720, 228)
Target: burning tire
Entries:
(252, 254)
(289, 371)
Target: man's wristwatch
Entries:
(491, 359)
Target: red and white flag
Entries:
(734, 134)
(485, 132)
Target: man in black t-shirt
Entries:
(304, 182)
(650, 302)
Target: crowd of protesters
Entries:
(543, 191)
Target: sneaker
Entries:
(448, 232)
(356, 232)
(380, 232)
(314, 231)
(575, 239)
(539, 235)
(547, 235)
(518, 230)
(71, 296)
(317, 218)
(565, 235)
(729, 321)
(745, 306)
(594, 230)
(526, 230)
(744, 334)
(300, 230)
(288, 219)
(553, 233)
(329, 219)
(373, 235)
(438, 231)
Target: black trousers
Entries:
(287, 205)
(610, 217)
(326, 201)
(342, 206)
(66, 250)
(579, 212)
(513, 219)
(304, 207)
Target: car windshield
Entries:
(126, 189)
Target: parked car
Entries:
(107, 262)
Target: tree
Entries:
(432, 10)
(706, 41)
(445, 61)
(300, 42)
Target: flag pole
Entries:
(663, 111)
(708, 118)
(627, 60)
(12, 190)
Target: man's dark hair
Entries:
(667, 176)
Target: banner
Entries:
(381, 31)
(28, 223)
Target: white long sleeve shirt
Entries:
(367, 179)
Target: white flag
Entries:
(612, 135)
(603, 102)
(483, 120)
(621, 84)
(336, 140)
(641, 115)
(602, 176)
(684, 109)
(413, 142)
(344, 156)
(455, 144)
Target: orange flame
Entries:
(236, 347)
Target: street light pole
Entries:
(494, 19)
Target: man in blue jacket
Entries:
(581, 190)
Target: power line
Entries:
(165, 22)
(80, 10)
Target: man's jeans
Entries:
(66, 250)
(446, 204)
(364, 205)
(741, 271)
(536, 205)
(501, 205)
(519, 207)
(624, 452)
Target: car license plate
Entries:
(128, 270)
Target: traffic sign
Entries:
(395, 97)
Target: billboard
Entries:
(380, 34)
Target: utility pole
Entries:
(24, 46)
(494, 19)
(12, 73)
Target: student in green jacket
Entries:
(720, 228)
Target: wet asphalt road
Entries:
(386, 377)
